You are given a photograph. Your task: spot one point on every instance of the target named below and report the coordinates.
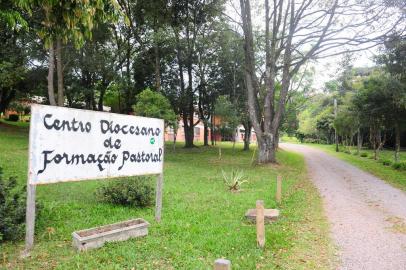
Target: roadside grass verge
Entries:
(201, 221)
(376, 167)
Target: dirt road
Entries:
(367, 215)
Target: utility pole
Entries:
(335, 129)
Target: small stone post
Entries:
(222, 264)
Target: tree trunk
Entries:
(234, 135)
(59, 72)
(266, 148)
(50, 78)
(397, 142)
(247, 137)
(359, 141)
(277, 140)
(212, 125)
(157, 68)
(101, 98)
(206, 133)
(175, 134)
(189, 136)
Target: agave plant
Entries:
(234, 180)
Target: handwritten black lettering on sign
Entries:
(71, 145)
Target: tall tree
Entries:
(13, 59)
(189, 19)
(64, 21)
(294, 33)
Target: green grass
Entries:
(201, 221)
(289, 139)
(16, 124)
(395, 177)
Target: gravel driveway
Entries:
(367, 215)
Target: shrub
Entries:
(310, 140)
(401, 166)
(386, 162)
(347, 151)
(234, 180)
(12, 209)
(134, 191)
(13, 117)
(364, 154)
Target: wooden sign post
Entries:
(158, 197)
(260, 222)
(30, 219)
(74, 145)
(278, 189)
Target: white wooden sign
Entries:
(72, 145)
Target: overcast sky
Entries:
(325, 69)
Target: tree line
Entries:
(91, 54)
(371, 103)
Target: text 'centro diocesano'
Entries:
(87, 144)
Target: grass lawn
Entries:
(201, 221)
(395, 177)
(17, 124)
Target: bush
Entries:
(401, 166)
(364, 154)
(386, 162)
(310, 140)
(134, 191)
(12, 209)
(347, 151)
(13, 117)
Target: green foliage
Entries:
(12, 209)
(13, 117)
(307, 123)
(364, 154)
(112, 97)
(300, 136)
(393, 56)
(401, 166)
(154, 104)
(229, 119)
(346, 123)
(71, 20)
(316, 120)
(310, 140)
(386, 162)
(234, 180)
(11, 17)
(134, 191)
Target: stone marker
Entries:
(222, 264)
(270, 215)
(121, 231)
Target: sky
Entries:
(325, 68)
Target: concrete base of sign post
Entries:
(121, 231)
(270, 215)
